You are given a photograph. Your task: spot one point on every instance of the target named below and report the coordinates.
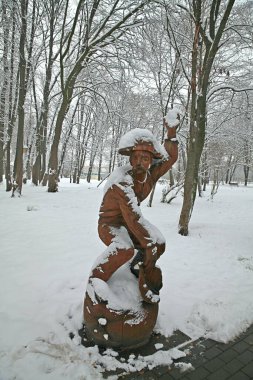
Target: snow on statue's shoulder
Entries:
(119, 175)
(172, 118)
(140, 134)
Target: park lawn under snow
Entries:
(49, 243)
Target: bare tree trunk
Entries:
(24, 70)
(205, 174)
(246, 174)
(4, 86)
(94, 150)
(100, 166)
(112, 151)
(172, 181)
(53, 160)
(89, 174)
(215, 183)
(199, 187)
(67, 97)
(191, 177)
(78, 149)
(12, 108)
(81, 164)
(18, 164)
(247, 160)
(71, 167)
(230, 159)
(201, 69)
(232, 172)
(39, 166)
(65, 144)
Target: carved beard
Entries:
(139, 170)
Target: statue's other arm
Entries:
(132, 215)
(171, 145)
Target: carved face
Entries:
(140, 161)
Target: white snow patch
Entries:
(172, 117)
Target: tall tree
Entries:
(18, 164)
(101, 29)
(208, 31)
(5, 23)
(52, 11)
(12, 101)
(25, 65)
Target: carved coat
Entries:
(120, 205)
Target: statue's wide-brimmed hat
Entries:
(140, 140)
(140, 146)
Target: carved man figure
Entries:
(121, 225)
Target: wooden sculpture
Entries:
(122, 296)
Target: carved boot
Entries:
(136, 262)
(150, 284)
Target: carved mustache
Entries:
(138, 167)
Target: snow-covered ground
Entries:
(48, 243)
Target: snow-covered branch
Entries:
(227, 87)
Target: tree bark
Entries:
(53, 160)
(190, 183)
(39, 166)
(4, 86)
(12, 115)
(246, 174)
(18, 164)
(201, 69)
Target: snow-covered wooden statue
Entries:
(122, 296)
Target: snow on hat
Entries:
(141, 139)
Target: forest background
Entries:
(76, 75)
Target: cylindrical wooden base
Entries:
(121, 329)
